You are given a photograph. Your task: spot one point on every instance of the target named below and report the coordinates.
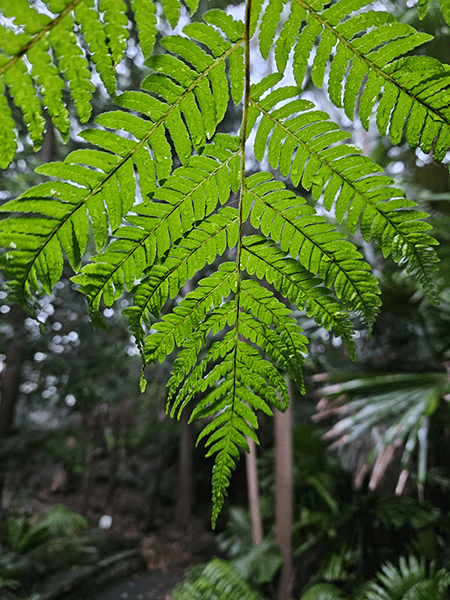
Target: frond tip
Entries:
(241, 383)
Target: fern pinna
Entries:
(165, 195)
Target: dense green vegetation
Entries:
(215, 211)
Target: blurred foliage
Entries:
(216, 580)
(256, 564)
(37, 546)
(411, 580)
(403, 402)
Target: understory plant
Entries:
(214, 581)
(413, 579)
(36, 546)
(216, 235)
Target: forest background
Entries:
(70, 399)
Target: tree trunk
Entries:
(10, 383)
(11, 377)
(253, 492)
(183, 509)
(284, 499)
(14, 353)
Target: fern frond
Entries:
(116, 21)
(7, 125)
(369, 44)
(43, 34)
(239, 384)
(165, 278)
(233, 374)
(50, 50)
(146, 147)
(156, 228)
(74, 66)
(303, 143)
(265, 260)
(188, 196)
(303, 234)
(145, 15)
(198, 79)
(22, 90)
(285, 342)
(270, 327)
(411, 579)
(217, 581)
(269, 24)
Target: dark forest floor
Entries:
(165, 550)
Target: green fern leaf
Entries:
(7, 126)
(287, 344)
(255, 11)
(30, 52)
(23, 92)
(269, 24)
(48, 79)
(201, 245)
(180, 325)
(288, 35)
(445, 7)
(116, 22)
(117, 186)
(145, 15)
(230, 27)
(199, 120)
(171, 11)
(239, 365)
(229, 398)
(217, 581)
(423, 7)
(237, 75)
(319, 248)
(196, 316)
(95, 36)
(265, 260)
(189, 195)
(192, 5)
(25, 15)
(74, 67)
(346, 178)
(369, 43)
(411, 580)
(105, 30)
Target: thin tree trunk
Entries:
(253, 492)
(183, 509)
(10, 385)
(14, 353)
(284, 499)
(10, 382)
